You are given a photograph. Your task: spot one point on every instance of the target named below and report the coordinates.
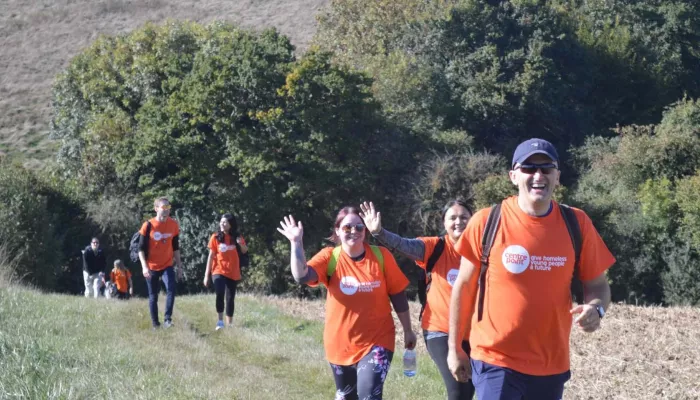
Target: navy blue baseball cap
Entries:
(531, 147)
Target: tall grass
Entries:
(69, 347)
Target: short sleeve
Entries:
(142, 231)
(396, 281)
(213, 246)
(469, 244)
(429, 243)
(319, 263)
(595, 256)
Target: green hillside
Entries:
(40, 38)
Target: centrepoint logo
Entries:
(515, 259)
(223, 247)
(349, 285)
(452, 276)
(157, 235)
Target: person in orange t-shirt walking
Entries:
(520, 332)
(121, 277)
(435, 319)
(224, 266)
(159, 253)
(362, 281)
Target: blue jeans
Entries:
(498, 383)
(153, 283)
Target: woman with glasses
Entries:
(362, 281)
(440, 252)
(226, 251)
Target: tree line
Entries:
(408, 103)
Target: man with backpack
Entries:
(525, 253)
(159, 254)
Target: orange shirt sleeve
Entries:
(142, 231)
(396, 281)
(429, 243)
(595, 256)
(469, 244)
(213, 245)
(319, 263)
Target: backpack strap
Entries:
(147, 239)
(424, 284)
(574, 229)
(335, 255)
(486, 243)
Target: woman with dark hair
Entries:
(363, 283)
(445, 267)
(226, 248)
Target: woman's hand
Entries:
(372, 217)
(206, 281)
(291, 229)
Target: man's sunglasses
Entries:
(530, 169)
(166, 206)
(348, 228)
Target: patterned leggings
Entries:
(364, 380)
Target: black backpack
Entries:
(134, 244)
(490, 233)
(425, 278)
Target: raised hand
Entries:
(372, 217)
(291, 229)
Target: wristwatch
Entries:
(600, 309)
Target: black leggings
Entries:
(364, 380)
(437, 348)
(225, 285)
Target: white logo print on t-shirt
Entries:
(223, 247)
(515, 259)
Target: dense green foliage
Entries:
(407, 103)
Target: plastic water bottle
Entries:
(409, 362)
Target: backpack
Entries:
(134, 244)
(336, 255)
(490, 233)
(424, 276)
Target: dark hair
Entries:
(233, 230)
(455, 202)
(344, 212)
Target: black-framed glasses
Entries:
(530, 169)
(348, 228)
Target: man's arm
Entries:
(595, 292)
(457, 359)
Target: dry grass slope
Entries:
(641, 352)
(40, 37)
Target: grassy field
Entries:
(68, 347)
(40, 37)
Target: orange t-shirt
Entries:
(121, 279)
(160, 243)
(358, 309)
(526, 321)
(225, 257)
(436, 315)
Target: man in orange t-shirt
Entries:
(520, 345)
(159, 253)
